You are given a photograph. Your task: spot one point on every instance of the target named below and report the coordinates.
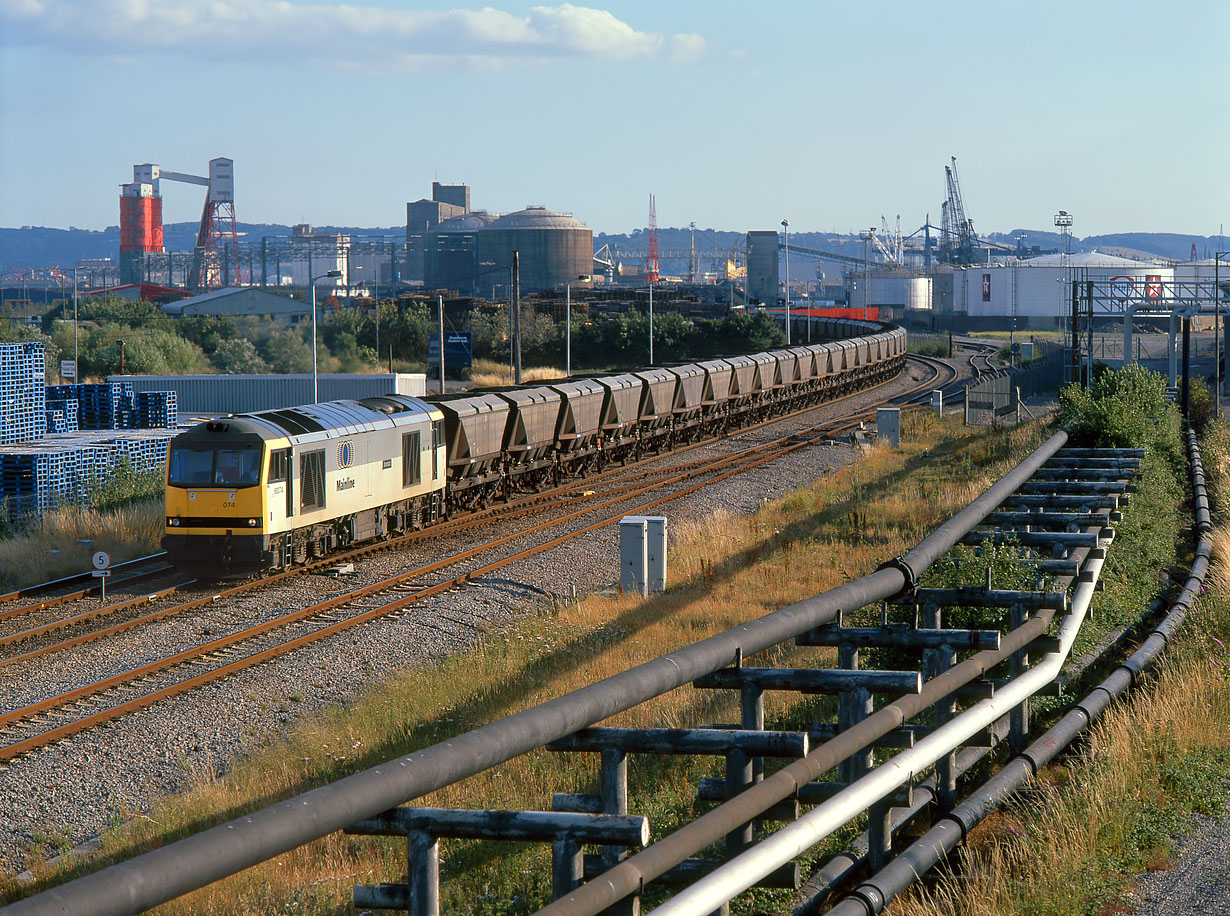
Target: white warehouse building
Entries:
(1035, 287)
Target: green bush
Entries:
(126, 485)
(1123, 408)
(1199, 405)
(238, 356)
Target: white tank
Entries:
(900, 291)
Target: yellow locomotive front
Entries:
(216, 500)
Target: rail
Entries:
(193, 862)
(1086, 483)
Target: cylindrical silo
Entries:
(450, 255)
(554, 247)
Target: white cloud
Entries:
(347, 35)
(687, 47)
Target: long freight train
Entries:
(277, 488)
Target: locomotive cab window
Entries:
(279, 465)
(411, 470)
(312, 480)
(230, 465)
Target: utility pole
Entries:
(786, 234)
(440, 300)
(692, 258)
(516, 269)
(651, 323)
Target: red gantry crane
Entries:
(213, 265)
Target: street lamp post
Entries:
(312, 283)
(651, 323)
(786, 232)
(568, 323)
(1217, 255)
(516, 317)
(76, 372)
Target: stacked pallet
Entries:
(23, 392)
(107, 405)
(35, 476)
(62, 415)
(57, 442)
(63, 469)
(156, 410)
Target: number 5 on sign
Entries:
(101, 561)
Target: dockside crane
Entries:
(959, 240)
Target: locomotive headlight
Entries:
(173, 522)
(251, 523)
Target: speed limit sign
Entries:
(101, 560)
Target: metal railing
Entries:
(998, 395)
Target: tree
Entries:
(287, 351)
(238, 356)
(20, 332)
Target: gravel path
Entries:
(1198, 881)
(65, 794)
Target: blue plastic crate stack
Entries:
(58, 442)
(156, 410)
(106, 405)
(61, 415)
(23, 392)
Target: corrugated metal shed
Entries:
(242, 300)
(250, 393)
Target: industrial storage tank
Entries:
(554, 247)
(1036, 287)
(450, 255)
(896, 289)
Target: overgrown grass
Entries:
(1075, 838)
(48, 548)
(487, 373)
(928, 344)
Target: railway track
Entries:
(57, 717)
(1069, 499)
(22, 631)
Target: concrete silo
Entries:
(450, 255)
(763, 278)
(554, 247)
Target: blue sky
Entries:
(735, 115)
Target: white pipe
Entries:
(743, 871)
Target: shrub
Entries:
(1199, 405)
(125, 485)
(1123, 408)
(238, 356)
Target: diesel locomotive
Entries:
(278, 488)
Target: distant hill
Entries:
(37, 246)
(1168, 245)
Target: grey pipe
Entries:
(742, 871)
(871, 897)
(838, 870)
(195, 861)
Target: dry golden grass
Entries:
(726, 570)
(48, 548)
(1083, 829)
(487, 373)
